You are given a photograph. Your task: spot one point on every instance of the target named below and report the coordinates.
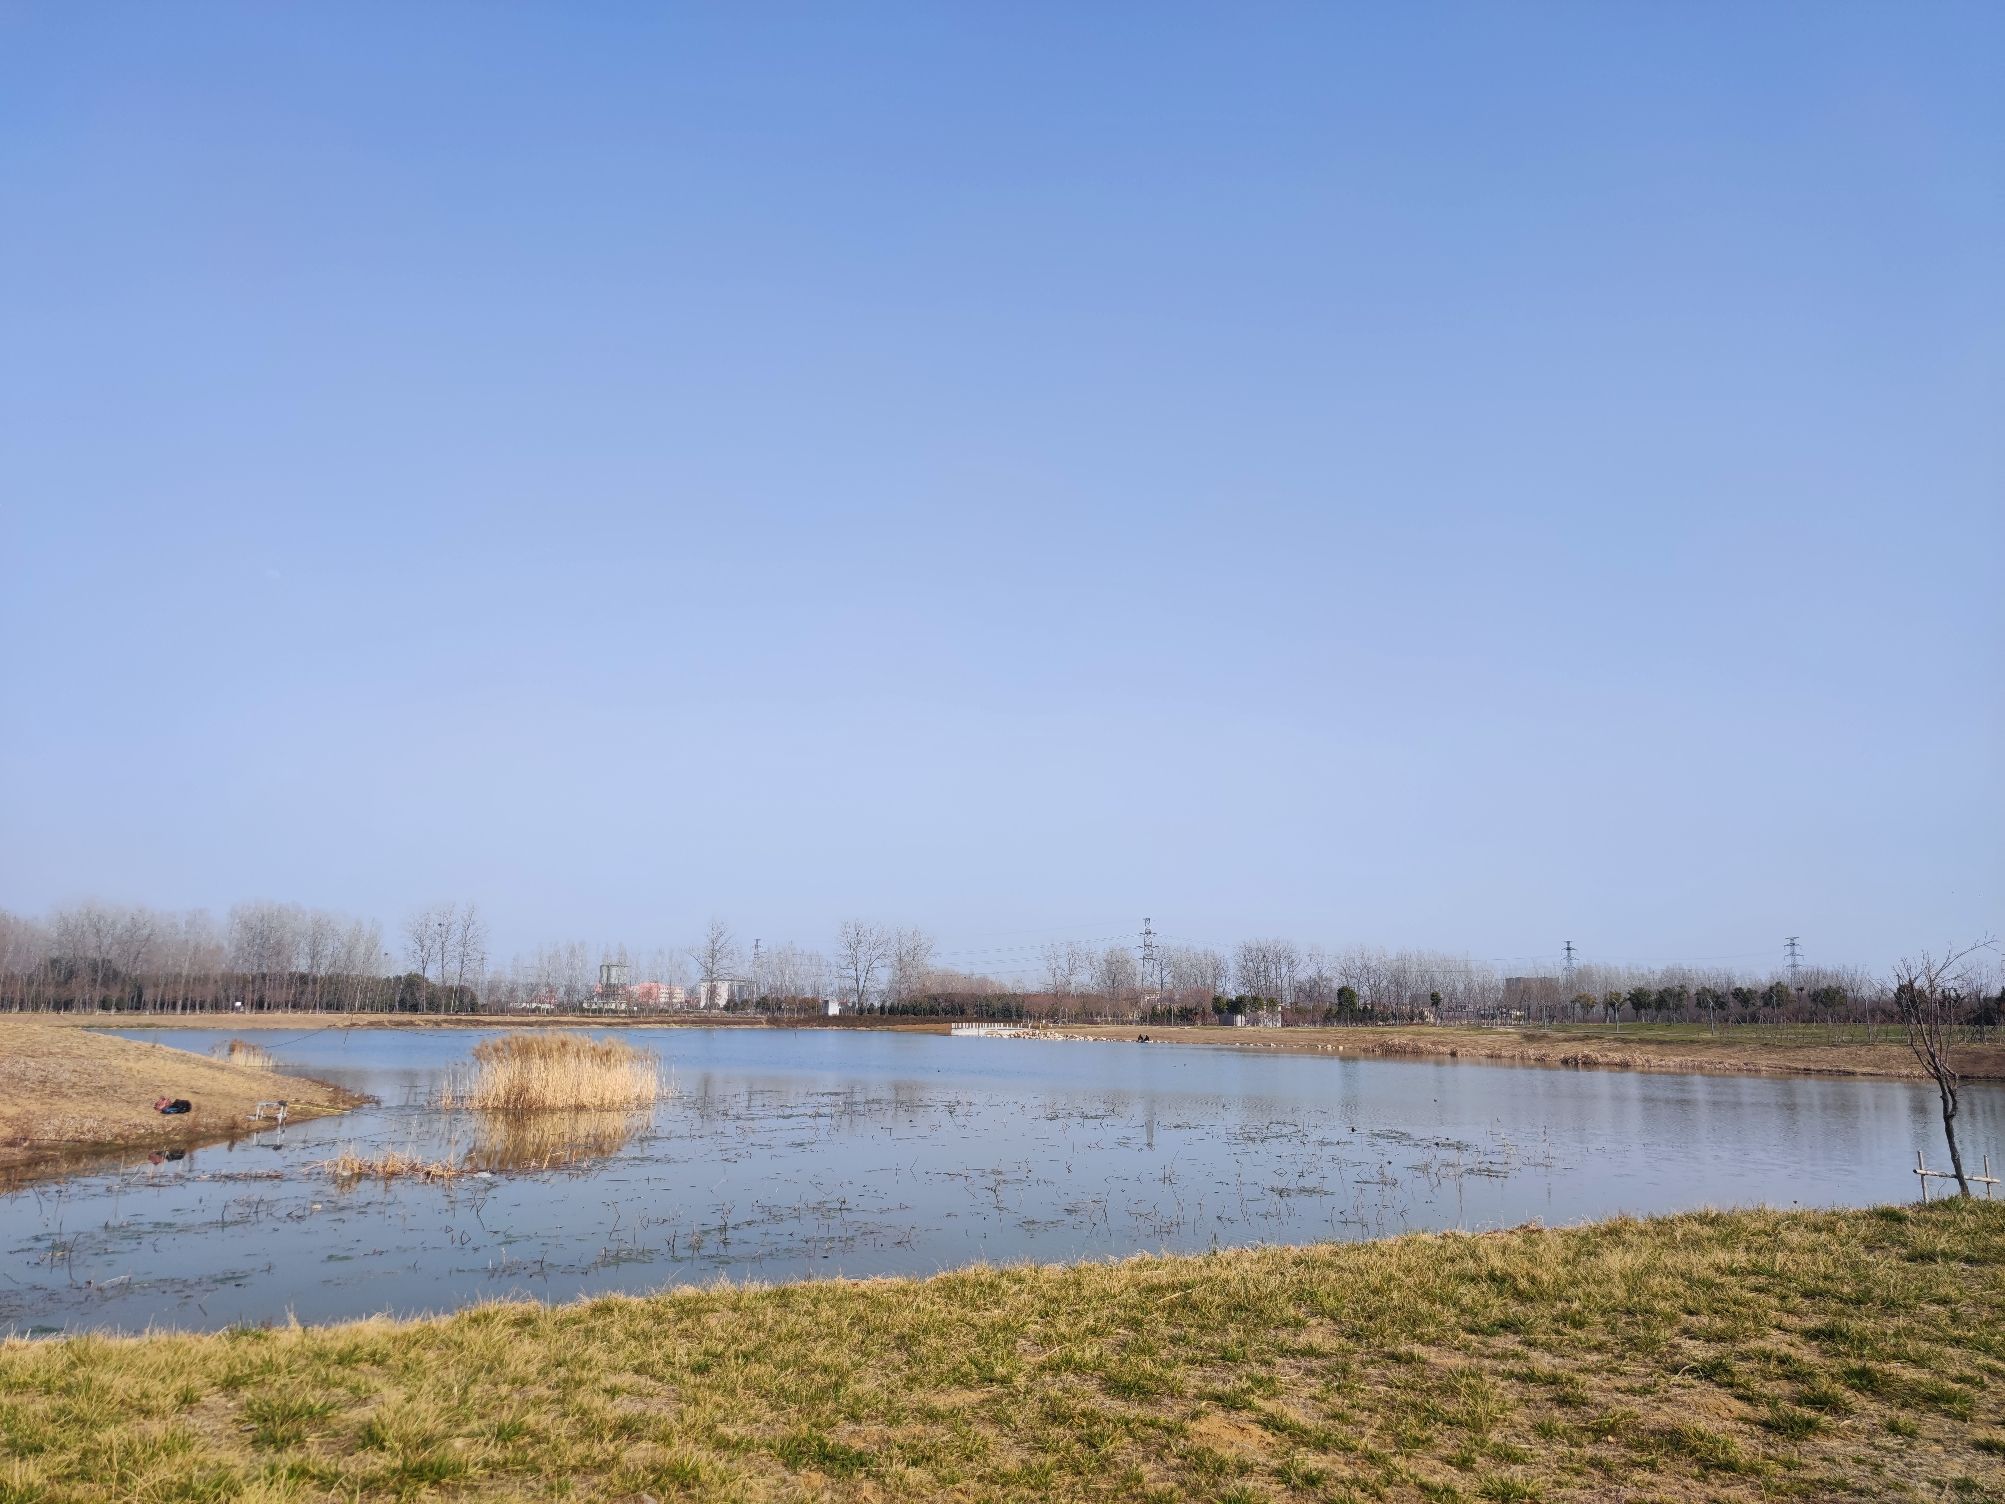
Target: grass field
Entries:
(1742, 1356)
(67, 1094)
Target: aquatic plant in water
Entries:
(546, 1072)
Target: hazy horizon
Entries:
(1465, 478)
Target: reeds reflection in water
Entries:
(513, 1141)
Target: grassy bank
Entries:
(68, 1094)
(1719, 1356)
(1748, 1050)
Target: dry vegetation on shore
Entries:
(1734, 1356)
(1751, 1050)
(67, 1093)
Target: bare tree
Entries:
(318, 947)
(1067, 965)
(425, 938)
(264, 944)
(1266, 968)
(1928, 999)
(860, 949)
(1193, 971)
(1117, 974)
(466, 940)
(715, 955)
(911, 958)
(795, 976)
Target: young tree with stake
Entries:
(1928, 1000)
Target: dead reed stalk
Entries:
(389, 1165)
(252, 1057)
(545, 1072)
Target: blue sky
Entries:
(1472, 477)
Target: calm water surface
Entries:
(787, 1155)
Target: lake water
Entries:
(787, 1154)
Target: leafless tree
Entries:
(716, 957)
(319, 944)
(1266, 968)
(1191, 971)
(1116, 973)
(425, 938)
(265, 944)
(860, 949)
(1067, 965)
(1929, 1001)
(1058, 975)
(466, 943)
(795, 975)
(911, 958)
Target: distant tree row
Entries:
(261, 956)
(279, 956)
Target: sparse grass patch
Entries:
(1374, 1371)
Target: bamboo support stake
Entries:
(1987, 1179)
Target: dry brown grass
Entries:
(1747, 1357)
(389, 1164)
(555, 1072)
(1789, 1049)
(67, 1093)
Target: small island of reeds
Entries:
(555, 1072)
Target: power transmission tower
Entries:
(1569, 965)
(757, 991)
(1150, 965)
(1793, 947)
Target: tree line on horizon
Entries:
(270, 956)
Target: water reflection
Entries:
(795, 1154)
(532, 1142)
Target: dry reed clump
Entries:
(389, 1165)
(252, 1057)
(555, 1072)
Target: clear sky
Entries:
(1406, 474)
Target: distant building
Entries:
(714, 994)
(612, 981)
(831, 1007)
(659, 995)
